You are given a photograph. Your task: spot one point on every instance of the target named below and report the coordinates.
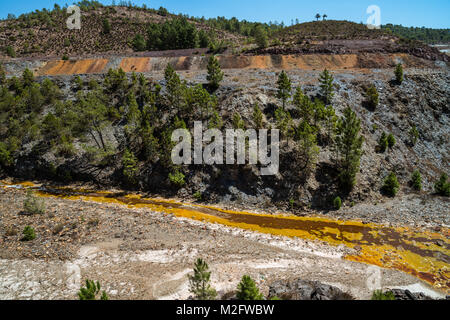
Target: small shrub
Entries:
(413, 135)
(391, 141)
(28, 234)
(391, 185)
(416, 180)
(10, 231)
(337, 202)
(198, 196)
(32, 204)
(399, 73)
(383, 143)
(65, 57)
(106, 26)
(247, 290)
(91, 291)
(442, 187)
(10, 52)
(379, 295)
(177, 178)
(372, 97)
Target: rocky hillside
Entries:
(115, 30)
(113, 130)
(104, 30)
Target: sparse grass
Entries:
(379, 295)
(32, 204)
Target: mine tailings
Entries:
(424, 254)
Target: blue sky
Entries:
(430, 13)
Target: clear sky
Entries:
(418, 13)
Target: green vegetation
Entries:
(337, 202)
(177, 179)
(416, 180)
(442, 187)
(130, 169)
(238, 123)
(383, 143)
(399, 73)
(391, 141)
(28, 234)
(284, 88)
(10, 51)
(200, 282)
(139, 43)
(326, 86)
(413, 135)
(257, 117)
(349, 148)
(92, 291)
(427, 35)
(372, 97)
(261, 37)
(106, 26)
(247, 290)
(177, 33)
(379, 295)
(215, 74)
(391, 185)
(32, 204)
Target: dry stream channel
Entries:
(421, 253)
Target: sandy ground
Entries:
(139, 254)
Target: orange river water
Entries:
(421, 253)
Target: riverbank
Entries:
(140, 253)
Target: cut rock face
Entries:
(306, 290)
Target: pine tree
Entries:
(2, 75)
(391, 185)
(247, 290)
(326, 86)
(130, 169)
(391, 141)
(284, 88)
(174, 87)
(383, 143)
(304, 105)
(413, 135)
(91, 291)
(399, 73)
(200, 282)
(238, 123)
(215, 74)
(284, 123)
(372, 97)
(307, 141)
(416, 180)
(349, 148)
(106, 26)
(442, 187)
(216, 121)
(261, 37)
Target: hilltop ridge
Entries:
(128, 30)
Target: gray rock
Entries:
(306, 290)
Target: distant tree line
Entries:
(427, 35)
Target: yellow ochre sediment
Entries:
(421, 253)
